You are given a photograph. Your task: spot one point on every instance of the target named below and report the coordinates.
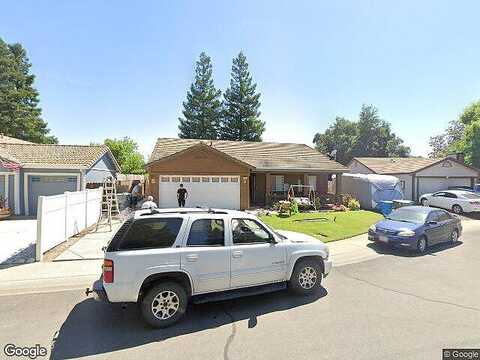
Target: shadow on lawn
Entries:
(94, 328)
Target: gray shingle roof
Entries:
(53, 156)
(396, 165)
(259, 155)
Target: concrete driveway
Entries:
(17, 240)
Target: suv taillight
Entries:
(107, 271)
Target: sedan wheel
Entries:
(422, 245)
(457, 209)
(454, 236)
(424, 202)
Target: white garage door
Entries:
(205, 191)
(430, 185)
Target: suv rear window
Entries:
(150, 234)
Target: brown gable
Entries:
(199, 159)
(259, 155)
(4, 139)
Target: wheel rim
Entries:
(422, 245)
(307, 277)
(424, 202)
(165, 305)
(454, 236)
(457, 209)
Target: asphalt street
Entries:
(398, 306)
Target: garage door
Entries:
(430, 185)
(205, 191)
(3, 191)
(46, 186)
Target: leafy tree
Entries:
(369, 136)
(127, 155)
(20, 115)
(202, 110)
(241, 105)
(444, 143)
(470, 142)
(339, 136)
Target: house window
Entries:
(278, 183)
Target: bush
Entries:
(293, 209)
(353, 204)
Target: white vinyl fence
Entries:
(62, 216)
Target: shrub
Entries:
(353, 204)
(293, 209)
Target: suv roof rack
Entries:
(197, 210)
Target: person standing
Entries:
(182, 195)
(136, 194)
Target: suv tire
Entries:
(164, 304)
(306, 277)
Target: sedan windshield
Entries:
(408, 215)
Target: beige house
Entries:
(235, 174)
(419, 175)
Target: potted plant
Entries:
(5, 211)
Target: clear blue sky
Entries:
(113, 69)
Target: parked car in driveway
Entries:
(416, 228)
(458, 201)
(475, 188)
(163, 259)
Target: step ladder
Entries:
(109, 202)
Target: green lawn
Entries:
(330, 226)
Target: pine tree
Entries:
(241, 103)
(202, 110)
(20, 115)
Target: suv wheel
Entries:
(457, 209)
(164, 304)
(306, 277)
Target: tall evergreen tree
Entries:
(241, 103)
(20, 115)
(203, 108)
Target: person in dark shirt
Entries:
(182, 195)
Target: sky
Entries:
(109, 69)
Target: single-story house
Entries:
(419, 175)
(235, 174)
(29, 170)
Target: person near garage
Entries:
(135, 194)
(182, 195)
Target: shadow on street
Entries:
(96, 328)
(385, 249)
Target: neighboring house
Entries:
(419, 175)
(4, 139)
(29, 170)
(235, 174)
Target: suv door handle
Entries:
(192, 257)
(237, 254)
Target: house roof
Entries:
(53, 156)
(398, 165)
(4, 139)
(258, 155)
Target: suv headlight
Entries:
(373, 228)
(406, 233)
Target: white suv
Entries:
(161, 259)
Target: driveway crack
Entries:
(406, 293)
(231, 336)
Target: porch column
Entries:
(338, 184)
(268, 186)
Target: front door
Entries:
(205, 256)
(255, 260)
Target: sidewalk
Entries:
(79, 274)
